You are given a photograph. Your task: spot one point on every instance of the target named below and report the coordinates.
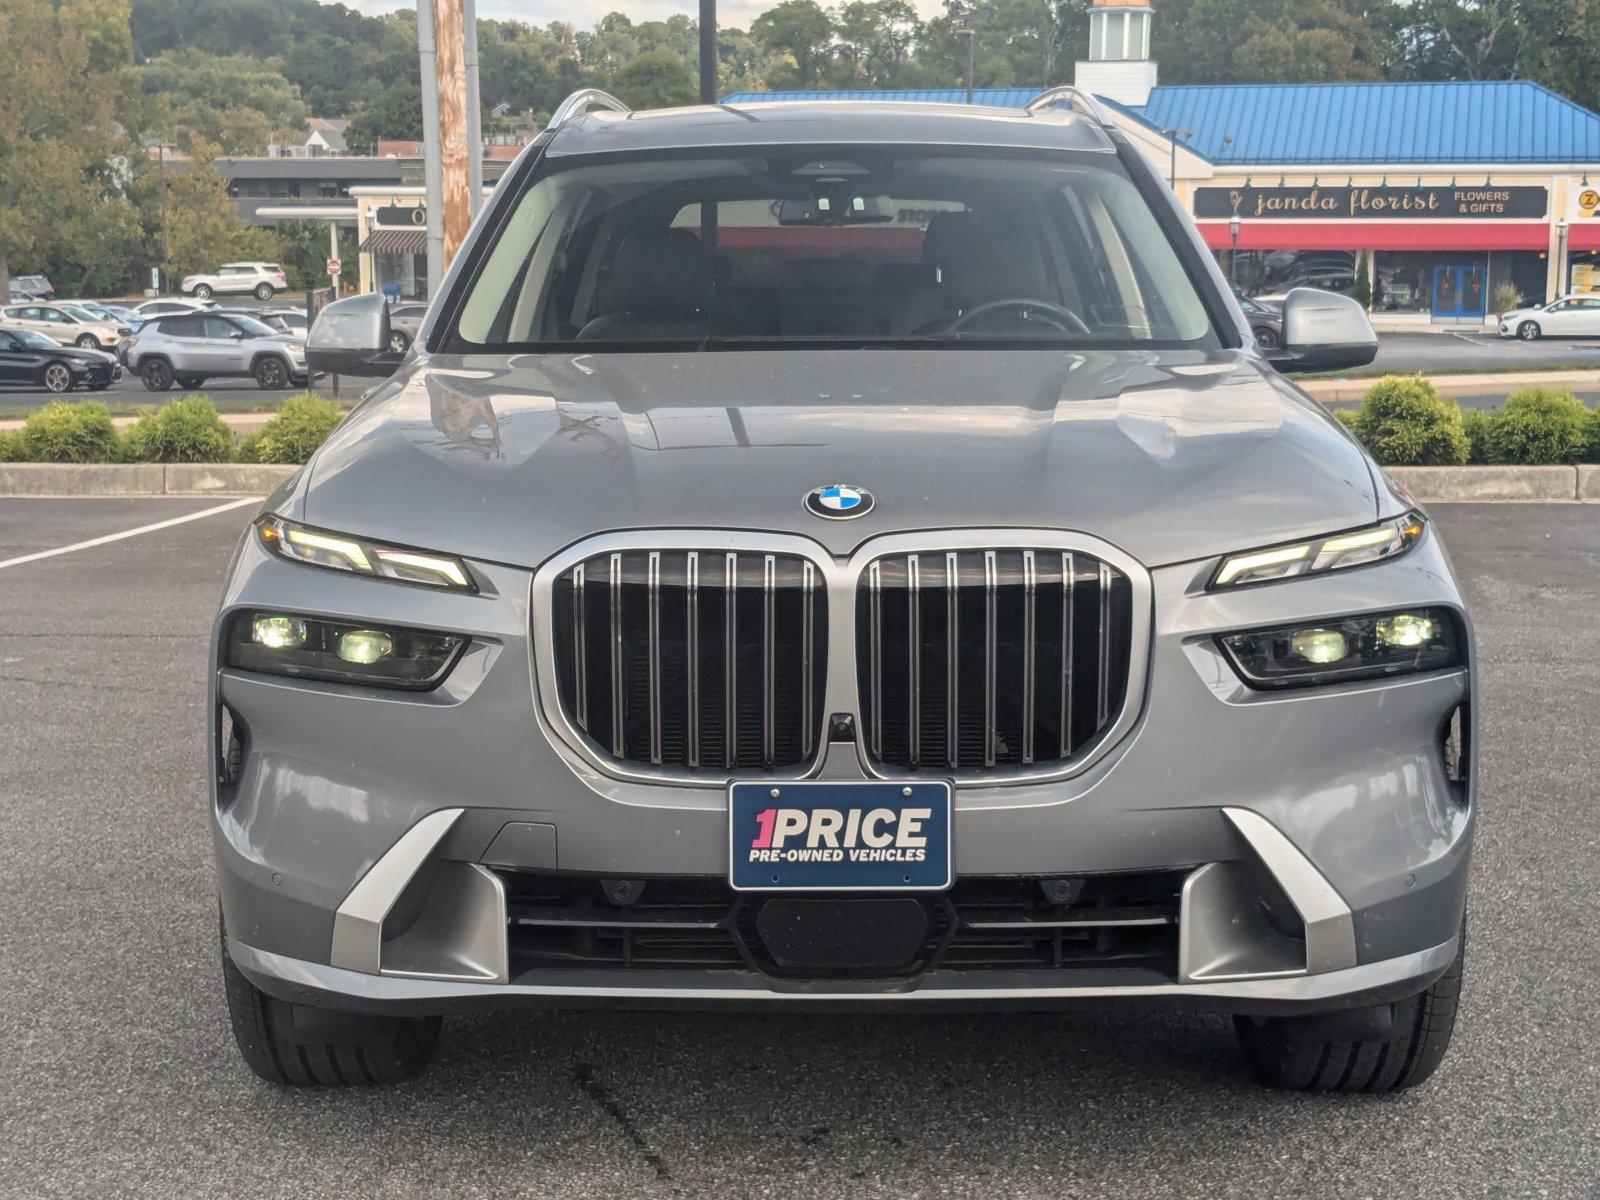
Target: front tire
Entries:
(203, 291)
(264, 291)
(399, 343)
(1529, 331)
(88, 342)
(56, 377)
(297, 1045)
(1266, 338)
(1283, 1055)
(272, 375)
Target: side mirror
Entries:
(1324, 331)
(351, 337)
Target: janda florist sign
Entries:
(1449, 202)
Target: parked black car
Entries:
(31, 359)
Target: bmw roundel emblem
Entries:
(839, 502)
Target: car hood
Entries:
(85, 356)
(1171, 456)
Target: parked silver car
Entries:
(189, 348)
(912, 589)
(68, 325)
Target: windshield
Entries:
(832, 246)
(83, 314)
(37, 341)
(254, 327)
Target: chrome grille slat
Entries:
(769, 654)
(617, 727)
(691, 654)
(914, 658)
(875, 659)
(952, 643)
(730, 660)
(580, 703)
(1002, 712)
(991, 637)
(1030, 636)
(654, 635)
(692, 661)
(1069, 568)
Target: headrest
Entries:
(943, 230)
(662, 272)
(987, 263)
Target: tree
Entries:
(1361, 292)
(66, 69)
(798, 35)
(656, 79)
(303, 251)
(875, 39)
(233, 101)
(204, 226)
(396, 113)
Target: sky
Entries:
(583, 13)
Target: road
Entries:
(120, 1078)
(129, 391)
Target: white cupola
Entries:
(1119, 66)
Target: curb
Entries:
(140, 479)
(1500, 485)
(1351, 391)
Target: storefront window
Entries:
(1583, 271)
(403, 276)
(1454, 285)
(1273, 272)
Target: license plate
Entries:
(859, 837)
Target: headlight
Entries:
(1353, 548)
(341, 552)
(303, 647)
(1365, 647)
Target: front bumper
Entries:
(349, 805)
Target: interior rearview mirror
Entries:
(1324, 331)
(351, 337)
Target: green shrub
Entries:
(69, 433)
(1475, 424)
(1347, 417)
(180, 431)
(1403, 422)
(10, 446)
(1539, 425)
(1594, 436)
(302, 424)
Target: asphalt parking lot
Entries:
(129, 390)
(120, 1079)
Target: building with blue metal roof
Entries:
(1447, 196)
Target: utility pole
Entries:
(455, 158)
(474, 110)
(971, 34)
(432, 168)
(166, 237)
(708, 51)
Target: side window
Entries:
(55, 316)
(180, 327)
(216, 327)
(32, 314)
(7, 342)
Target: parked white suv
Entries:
(67, 324)
(262, 280)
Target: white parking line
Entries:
(128, 533)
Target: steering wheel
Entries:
(1053, 315)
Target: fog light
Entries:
(1405, 630)
(278, 633)
(365, 646)
(1320, 645)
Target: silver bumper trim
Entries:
(945, 987)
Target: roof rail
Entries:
(1080, 100)
(582, 101)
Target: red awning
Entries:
(1384, 235)
(1583, 236)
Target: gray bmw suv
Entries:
(848, 555)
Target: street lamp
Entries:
(1233, 254)
(1563, 285)
(1172, 136)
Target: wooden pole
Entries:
(454, 149)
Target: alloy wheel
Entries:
(57, 378)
